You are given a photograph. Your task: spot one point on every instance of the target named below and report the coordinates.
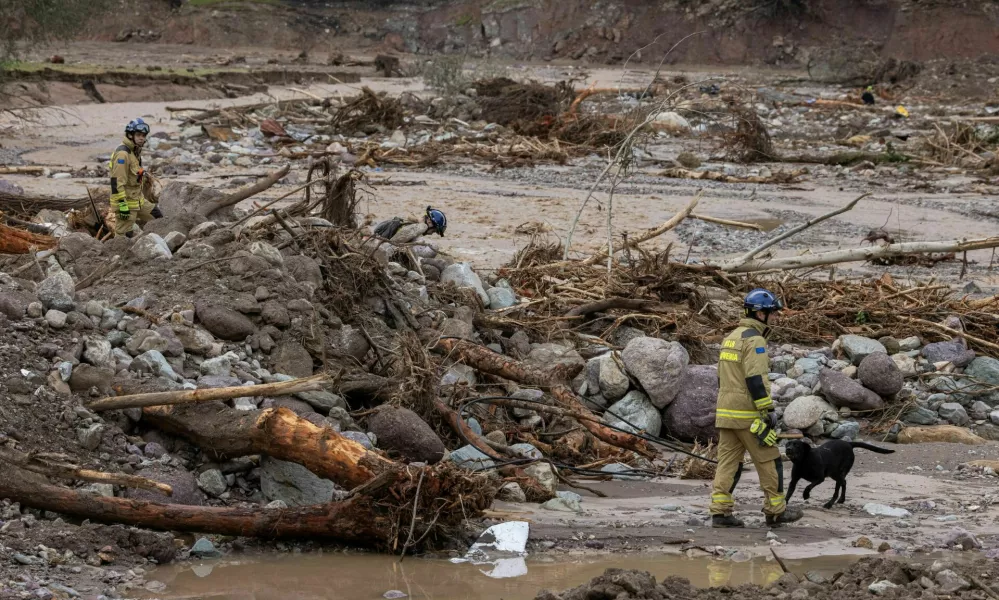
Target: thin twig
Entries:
(412, 523)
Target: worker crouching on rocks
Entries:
(127, 200)
(434, 220)
(745, 417)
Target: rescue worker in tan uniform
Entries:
(126, 181)
(745, 417)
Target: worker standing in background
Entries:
(126, 172)
(745, 417)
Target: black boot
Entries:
(725, 521)
(790, 515)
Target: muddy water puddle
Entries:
(362, 576)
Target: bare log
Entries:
(792, 232)
(227, 433)
(859, 254)
(652, 233)
(608, 304)
(281, 388)
(244, 193)
(53, 466)
(726, 222)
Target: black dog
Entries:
(834, 459)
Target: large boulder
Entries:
(954, 413)
(549, 356)
(842, 391)
(462, 276)
(184, 484)
(224, 322)
(56, 291)
(878, 372)
(658, 365)
(403, 431)
(954, 351)
(691, 416)
(293, 484)
(612, 381)
(195, 340)
(806, 411)
(291, 358)
(857, 347)
(634, 413)
(984, 369)
(150, 247)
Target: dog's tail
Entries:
(866, 446)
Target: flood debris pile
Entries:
(868, 577)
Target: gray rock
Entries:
(527, 451)
(562, 504)
(955, 351)
(322, 400)
(950, 582)
(304, 269)
(984, 369)
(909, 344)
(549, 356)
(151, 247)
(544, 474)
(267, 252)
(220, 365)
(174, 240)
(35, 309)
(954, 413)
(360, 438)
(634, 413)
(184, 484)
(90, 437)
(204, 549)
(658, 365)
(470, 457)
(402, 431)
(891, 344)
(14, 304)
(97, 351)
(155, 363)
(57, 291)
(212, 482)
(462, 276)
(203, 229)
(806, 411)
(87, 376)
(804, 365)
(55, 318)
(145, 340)
(781, 364)
(225, 323)
(511, 492)
(842, 391)
(409, 232)
(857, 347)
(879, 373)
(847, 430)
(920, 415)
(620, 472)
(501, 298)
(274, 313)
(960, 538)
(348, 341)
(193, 339)
(980, 411)
(459, 374)
(154, 450)
(691, 415)
(174, 347)
(291, 358)
(880, 588)
(293, 484)
(612, 381)
(77, 245)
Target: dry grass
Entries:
(695, 468)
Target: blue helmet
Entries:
(761, 300)
(137, 126)
(436, 220)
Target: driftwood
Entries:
(281, 388)
(55, 466)
(632, 242)
(19, 241)
(242, 194)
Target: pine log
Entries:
(281, 388)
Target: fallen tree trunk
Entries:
(281, 388)
(242, 194)
(356, 520)
(53, 466)
(487, 361)
(859, 254)
(227, 433)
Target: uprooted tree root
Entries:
(368, 110)
(695, 468)
(750, 140)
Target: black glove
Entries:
(771, 420)
(156, 212)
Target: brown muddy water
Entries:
(368, 576)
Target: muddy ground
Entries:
(485, 207)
